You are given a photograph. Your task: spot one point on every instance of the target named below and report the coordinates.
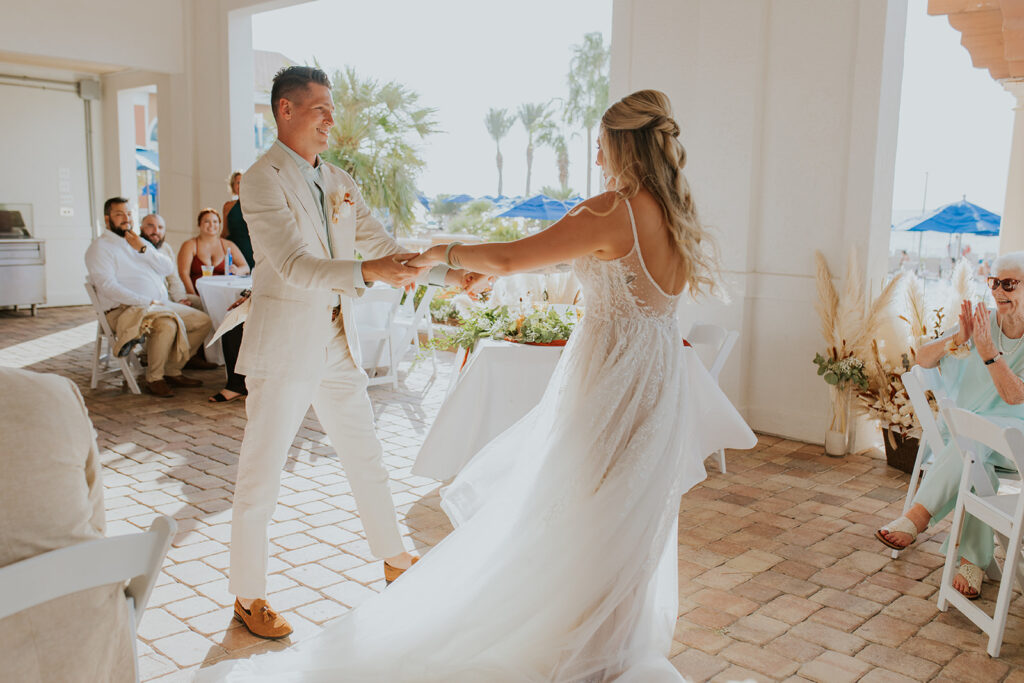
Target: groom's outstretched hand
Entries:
(392, 270)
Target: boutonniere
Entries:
(342, 204)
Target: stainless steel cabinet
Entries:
(22, 273)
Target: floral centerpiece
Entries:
(442, 307)
(537, 324)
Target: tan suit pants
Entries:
(275, 409)
(161, 338)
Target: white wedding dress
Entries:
(563, 563)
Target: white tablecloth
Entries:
(499, 384)
(218, 292)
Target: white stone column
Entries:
(1011, 234)
(789, 113)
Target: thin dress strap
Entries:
(632, 224)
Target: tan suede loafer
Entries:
(391, 574)
(261, 620)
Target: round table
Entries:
(218, 292)
(499, 384)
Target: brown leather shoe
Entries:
(261, 620)
(159, 388)
(391, 574)
(197, 363)
(183, 381)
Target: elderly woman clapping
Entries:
(982, 364)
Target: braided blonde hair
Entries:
(640, 142)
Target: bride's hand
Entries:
(431, 257)
(476, 283)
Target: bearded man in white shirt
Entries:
(127, 274)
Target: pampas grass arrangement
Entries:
(849, 330)
(853, 331)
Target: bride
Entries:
(563, 563)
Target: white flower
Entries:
(342, 205)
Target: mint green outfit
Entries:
(969, 382)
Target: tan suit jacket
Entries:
(51, 496)
(296, 282)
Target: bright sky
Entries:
(463, 57)
(955, 122)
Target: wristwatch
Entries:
(143, 249)
(993, 359)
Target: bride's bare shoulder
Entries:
(601, 203)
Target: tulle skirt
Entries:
(563, 563)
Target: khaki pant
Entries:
(275, 408)
(161, 337)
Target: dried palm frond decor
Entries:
(850, 328)
(885, 398)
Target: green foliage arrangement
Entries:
(841, 373)
(442, 308)
(542, 325)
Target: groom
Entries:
(307, 219)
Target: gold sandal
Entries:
(973, 574)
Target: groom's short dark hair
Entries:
(289, 80)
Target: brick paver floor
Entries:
(780, 577)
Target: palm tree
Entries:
(554, 138)
(534, 117)
(499, 122)
(371, 141)
(588, 89)
(560, 193)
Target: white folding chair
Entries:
(127, 365)
(713, 344)
(1004, 512)
(409, 319)
(135, 558)
(917, 381)
(375, 313)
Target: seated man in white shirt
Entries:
(154, 231)
(126, 274)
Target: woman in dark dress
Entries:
(235, 228)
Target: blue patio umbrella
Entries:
(146, 159)
(961, 218)
(423, 200)
(540, 207)
(457, 199)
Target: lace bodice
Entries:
(623, 287)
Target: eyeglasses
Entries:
(1008, 284)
